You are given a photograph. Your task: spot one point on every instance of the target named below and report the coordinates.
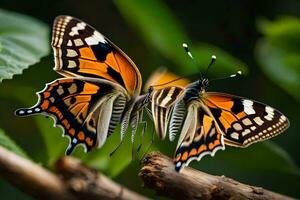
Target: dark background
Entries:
(229, 25)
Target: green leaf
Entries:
(161, 32)
(9, 144)
(23, 41)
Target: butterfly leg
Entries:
(144, 124)
(151, 142)
(134, 125)
(144, 128)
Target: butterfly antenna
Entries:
(167, 82)
(213, 59)
(113, 152)
(238, 73)
(186, 48)
(189, 53)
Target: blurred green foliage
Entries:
(162, 32)
(278, 52)
(24, 40)
(9, 144)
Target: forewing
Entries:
(80, 50)
(162, 103)
(244, 121)
(200, 135)
(78, 106)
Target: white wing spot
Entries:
(29, 111)
(248, 107)
(235, 135)
(78, 42)
(237, 127)
(75, 29)
(37, 109)
(71, 53)
(270, 113)
(245, 132)
(99, 37)
(247, 122)
(269, 109)
(69, 44)
(258, 121)
(269, 118)
(60, 90)
(73, 88)
(72, 64)
(91, 41)
(52, 99)
(21, 112)
(74, 140)
(212, 132)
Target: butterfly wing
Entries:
(200, 136)
(82, 107)
(244, 121)
(162, 103)
(80, 50)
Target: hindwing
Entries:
(82, 107)
(200, 136)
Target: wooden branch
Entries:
(75, 181)
(87, 183)
(158, 173)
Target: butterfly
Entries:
(207, 121)
(100, 89)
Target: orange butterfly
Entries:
(209, 120)
(101, 86)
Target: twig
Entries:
(75, 181)
(158, 173)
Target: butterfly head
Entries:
(148, 95)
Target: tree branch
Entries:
(74, 181)
(158, 173)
